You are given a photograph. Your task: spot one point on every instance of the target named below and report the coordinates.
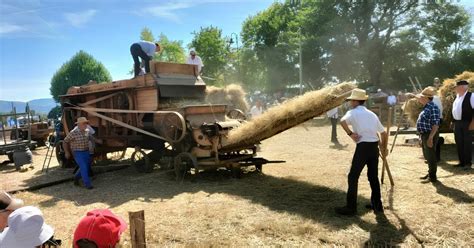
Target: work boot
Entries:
(345, 211)
(425, 177)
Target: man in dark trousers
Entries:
(462, 116)
(144, 50)
(365, 129)
(333, 116)
(427, 126)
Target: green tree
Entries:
(447, 27)
(54, 113)
(172, 50)
(81, 68)
(212, 47)
(147, 35)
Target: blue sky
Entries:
(37, 37)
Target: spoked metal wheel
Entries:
(183, 163)
(141, 161)
(117, 155)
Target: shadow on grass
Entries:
(284, 195)
(457, 195)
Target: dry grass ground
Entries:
(291, 204)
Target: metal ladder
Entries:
(47, 158)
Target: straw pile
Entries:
(232, 95)
(447, 94)
(289, 114)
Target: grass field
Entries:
(291, 204)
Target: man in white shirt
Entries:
(193, 59)
(462, 116)
(391, 99)
(257, 109)
(144, 50)
(365, 128)
(333, 116)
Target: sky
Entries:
(37, 37)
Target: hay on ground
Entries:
(289, 114)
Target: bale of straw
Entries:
(232, 95)
(412, 109)
(287, 115)
(447, 94)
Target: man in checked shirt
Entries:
(427, 126)
(77, 144)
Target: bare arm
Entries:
(67, 149)
(354, 136)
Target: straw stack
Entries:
(232, 95)
(287, 115)
(447, 94)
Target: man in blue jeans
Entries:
(77, 144)
(144, 50)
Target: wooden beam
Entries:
(137, 229)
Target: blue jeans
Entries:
(83, 159)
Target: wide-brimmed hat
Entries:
(26, 229)
(192, 50)
(7, 202)
(81, 120)
(358, 95)
(100, 226)
(461, 82)
(427, 92)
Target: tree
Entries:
(147, 35)
(81, 68)
(172, 50)
(212, 47)
(447, 27)
(55, 113)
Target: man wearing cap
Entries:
(462, 116)
(144, 50)
(8, 204)
(27, 229)
(193, 59)
(99, 228)
(77, 144)
(365, 128)
(427, 126)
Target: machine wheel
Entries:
(236, 172)
(141, 161)
(183, 163)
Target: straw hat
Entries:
(81, 120)
(358, 95)
(427, 92)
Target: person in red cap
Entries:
(100, 228)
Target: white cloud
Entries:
(169, 10)
(78, 19)
(6, 28)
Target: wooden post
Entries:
(137, 229)
(385, 147)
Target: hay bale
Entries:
(232, 95)
(289, 114)
(412, 109)
(447, 95)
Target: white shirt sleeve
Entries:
(347, 117)
(380, 127)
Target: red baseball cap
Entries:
(100, 226)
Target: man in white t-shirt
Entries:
(144, 50)
(257, 109)
(365, 129)
(333, 116)
(193, 59)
